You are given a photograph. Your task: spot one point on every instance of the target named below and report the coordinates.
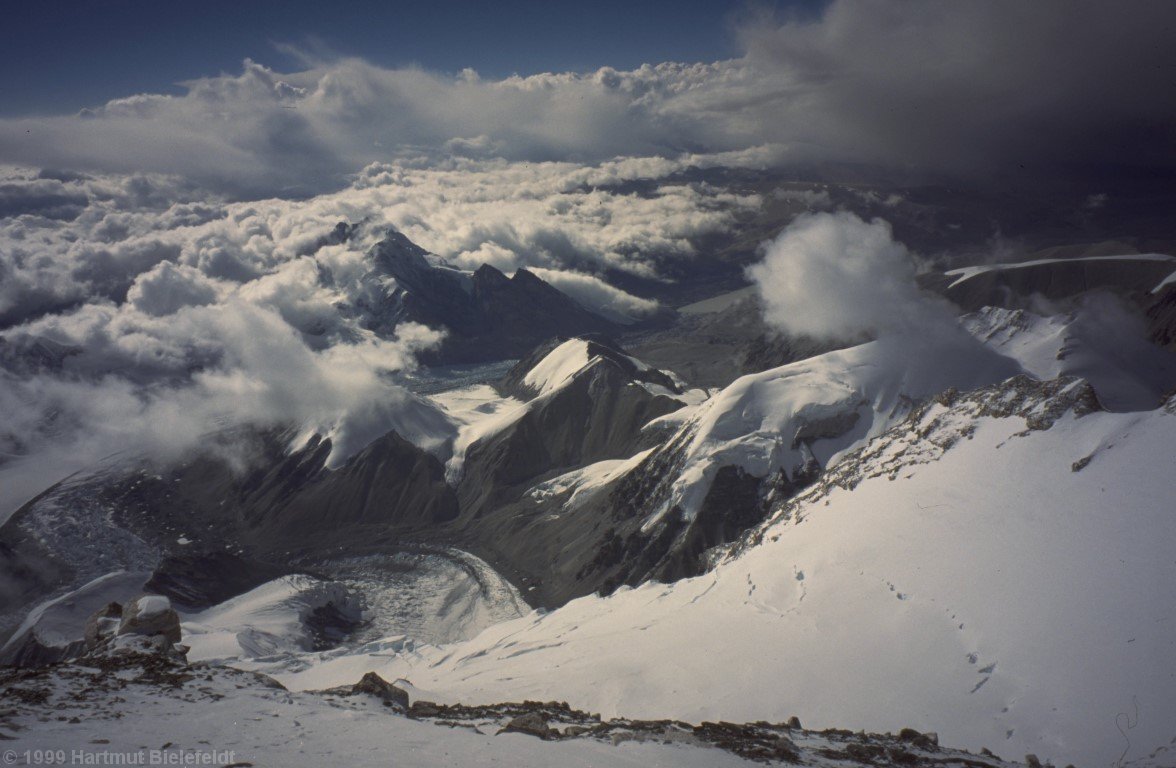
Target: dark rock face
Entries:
(1161, 317)
(487, 315)
(561, 550)
(200, 580)
(27, 570)
(289, 501)
(598, 415)
(531, 723)
(29, 651)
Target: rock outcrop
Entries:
(150, 616)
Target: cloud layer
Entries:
(169, 264)
(138, 312)
(974, 88)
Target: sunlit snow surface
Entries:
(437, 596)
(994, 595)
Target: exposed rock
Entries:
(102, 624)
(531, 723)
(487, 315)
(151, 615)
(283, 500)
(1161, 317)
(200, 580)
(785, 749)
(424, 709)
(597, 414)
(373, 684)
(865, 753)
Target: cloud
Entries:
(165, 235)
(977, 87)
(155, 312)
(166, 288)
(599, 296)
(835, 276)
(974, 88)
(157, 385)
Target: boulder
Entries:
(531, 723)
(151, 615)
(373, 684)
(103, 623)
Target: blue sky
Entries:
(61, 56)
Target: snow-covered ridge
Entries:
(481, 411)
(1099, 343)
(787, 417)
(994, 568)
(103, 706)
(558, 366)
(965, 273)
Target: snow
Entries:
(966, 273)
(153, 605)
(581, 483)
(438, 596)
(1169, 280)
(62, 620)
(433, 595)
(993, 595)
(267, 620)
(1126, 370)
(221, 720)
(754, 422)
(478, 411)
(558, 366)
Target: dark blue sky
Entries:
(60, 56)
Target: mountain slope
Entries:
(1100, 343)
(485, 314)
(995, 568)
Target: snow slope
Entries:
(819, 407)
(477, 411)
(125, 706)
(558, 366)
(1004, 586)
(61, 621)
(1096, 343)
(223, 717)
(272, 618)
